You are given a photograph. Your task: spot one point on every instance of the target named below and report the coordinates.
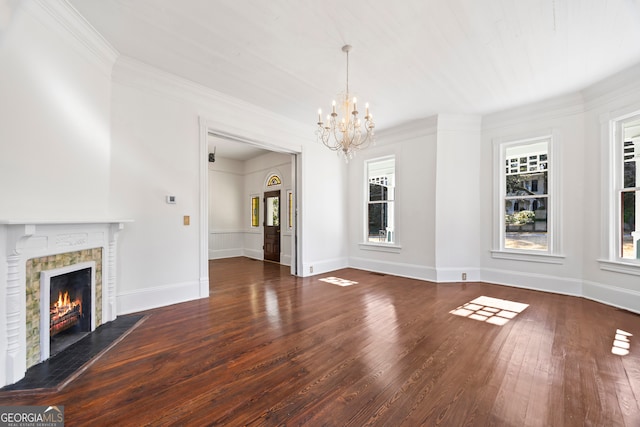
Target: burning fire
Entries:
(64, 313)
(64, 305)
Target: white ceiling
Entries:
(410, 58)
(232, 149)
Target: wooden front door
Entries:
(272, 226)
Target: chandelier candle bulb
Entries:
(319, 116)
(333, 105)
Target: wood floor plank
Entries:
(268, 349)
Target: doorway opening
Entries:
(239, 236)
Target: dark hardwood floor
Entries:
(271, 349)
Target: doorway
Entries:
(290, 249)
(272, 226)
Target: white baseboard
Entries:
(617, 297)
(224, 253)
(204, 287)
(146, 299)
(538, 282)
(285, 259)
(411, 271)
(448, 275)
(253, 253)
(324, 266)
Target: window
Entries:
(255, 211)
(380, 200)
(274, 180)
(627, 186)
(526, 199)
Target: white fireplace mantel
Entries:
(21, 240)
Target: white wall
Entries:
(323, 213)
(415, 148)
(228, 217)
(54, 115)
(583, 171)
(257, 170)
(80, 140)
(562, 116)
(231, 185)
(457, 241)
(156, 152)
(437, 197)
(55, 90)
(605, 101)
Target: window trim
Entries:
(393, 246)
(612, 179)
(553, 254)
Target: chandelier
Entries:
(346, 134)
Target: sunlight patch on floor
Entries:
(621, 343)
(338, 281)
(491, 310)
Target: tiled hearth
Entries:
(26, 250)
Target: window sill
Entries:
(620, 267)
(529, 256)
(381, 247)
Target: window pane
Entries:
(629, 166)
(378, 192)
(525, 211)
(273, 211)
(378, 222)
(527, 184)
(630, 233)
(526, 223)
(255, 204)
(381, 188)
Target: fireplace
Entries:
(67, 306)
(31, 254)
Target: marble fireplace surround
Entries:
(26, 249)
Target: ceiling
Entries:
(410, 59)
(232, 149)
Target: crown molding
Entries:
(621, 84)
(220, 107)
(549, 109)
(60, 16)
(459, 122)
(409, 130)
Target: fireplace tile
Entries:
(33, 268)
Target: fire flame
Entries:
(63, 301)
(64, 304)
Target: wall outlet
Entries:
(311, 269)
(464, 276)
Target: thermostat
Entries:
(171, 199)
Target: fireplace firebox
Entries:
(67, 310)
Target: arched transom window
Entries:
(274, 180)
